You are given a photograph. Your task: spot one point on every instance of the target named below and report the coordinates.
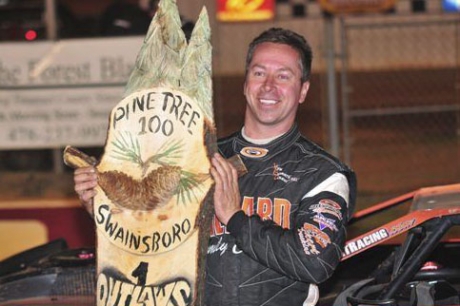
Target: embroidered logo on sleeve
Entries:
(309, 235)
(326, 206)
(325, 222)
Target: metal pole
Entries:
(50, 19)
(51, 34)
(331, 87)
(344, 91)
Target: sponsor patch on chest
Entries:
(254, 152)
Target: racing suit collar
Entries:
(258, 141)
(278, 144)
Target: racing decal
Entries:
(279, 175)
(219, 247)
(325, 222)
(236, 250)
(453, 211)
(218, 228)
(361, 243)
(278, 210)
(309, 235)
(278, 171)
(394, 228)
(327, 206)
(401, 227)
(308, 244)
(265, 208)
(254, 152)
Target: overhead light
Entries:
(30, 35)
(451, 5)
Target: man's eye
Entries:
(284, 77)
(258, 73)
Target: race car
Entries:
(421, 269)
(411, 261)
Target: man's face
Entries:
(273, 90)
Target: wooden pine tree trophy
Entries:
(153, 206)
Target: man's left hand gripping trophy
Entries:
(152, 209)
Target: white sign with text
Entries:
(54, 94)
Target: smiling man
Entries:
(279, 229)
(273, 90)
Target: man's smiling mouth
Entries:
(267, 101)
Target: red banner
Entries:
(356, 6)
(245, 10)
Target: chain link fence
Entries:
(401, 105)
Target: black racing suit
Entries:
(291, 230)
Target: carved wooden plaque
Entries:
(152, 210)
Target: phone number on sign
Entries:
(24, 136)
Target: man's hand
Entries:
(85, 183)
(226, 195)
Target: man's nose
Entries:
(269, 83)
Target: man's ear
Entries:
(304, 91)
